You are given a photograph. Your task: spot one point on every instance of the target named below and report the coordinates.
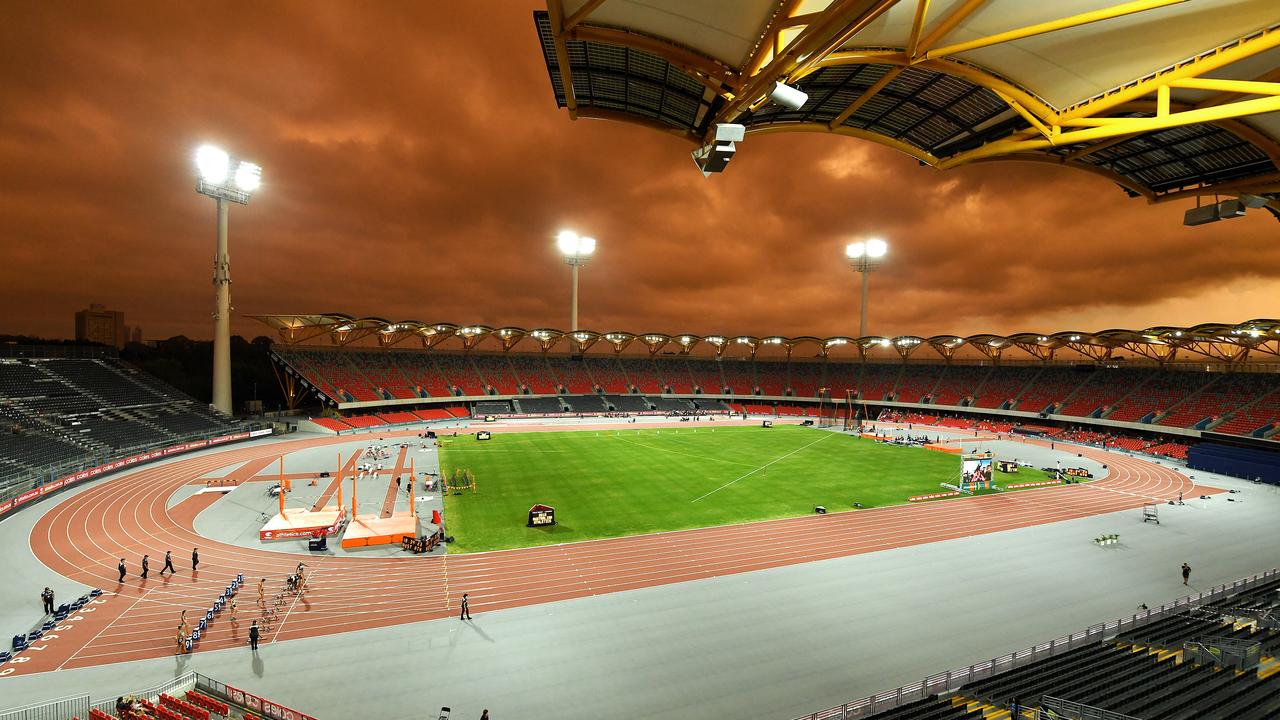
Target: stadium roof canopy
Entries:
(1166, 98)
(1221, 342)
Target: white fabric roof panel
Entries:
(722, 29)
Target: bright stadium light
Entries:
(248, 176)
(215, 179)
(576, 250)
(863, 257)
(213, 164)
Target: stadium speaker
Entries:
(1202, 215)
(788, 97)
(1230, 209)
(715, 156)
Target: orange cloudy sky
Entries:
(416, 167)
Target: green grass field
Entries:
(627, 482)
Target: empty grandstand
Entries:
(1176, 399)
(58, 415)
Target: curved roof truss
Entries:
(1193, 108)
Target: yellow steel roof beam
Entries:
(947, 24)
(1193, 68)
(1101, 128)
(575, 19)
(555, 8)
(917, 25)
(862, 99)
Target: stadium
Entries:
(505, 515)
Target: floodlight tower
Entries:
(576, 251)
(864, 257)
(224, 179)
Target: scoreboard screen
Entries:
(1077, 472)
(540, 515)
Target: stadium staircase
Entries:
(877, 382)
(1253, 416)
(1000, 389)
(957, 384)
(706, 376)
(804, 379)
(739, 377)
(915, 383)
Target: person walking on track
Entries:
(1186, 573)
(466, 609)
(253, 636)
(262, 592)
(145, 566)
(120, 567)
(168, 564)
(47, 598)
(233, 611)
(195, 559)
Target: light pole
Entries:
(864, 257)
(216, 179)
(576, 251)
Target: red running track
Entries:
(84, 536)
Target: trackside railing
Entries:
(952, 680)
(1052, 708)
(80, 705)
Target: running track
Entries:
(84, 536)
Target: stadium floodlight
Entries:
(215, 178)
(576, 251)
(863, 257)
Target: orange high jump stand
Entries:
(294, 523)
(369, 530)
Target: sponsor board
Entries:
(305, 532)
(74, 478)
(265, 707)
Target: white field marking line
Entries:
(104, 629)
(753, 472)
(677, 452)
(293, 604)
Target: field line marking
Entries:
(753, 472)
(293, 604)
(677, 452)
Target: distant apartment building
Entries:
(100, 325)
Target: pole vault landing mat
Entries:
(367, 530)
(303, 523)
